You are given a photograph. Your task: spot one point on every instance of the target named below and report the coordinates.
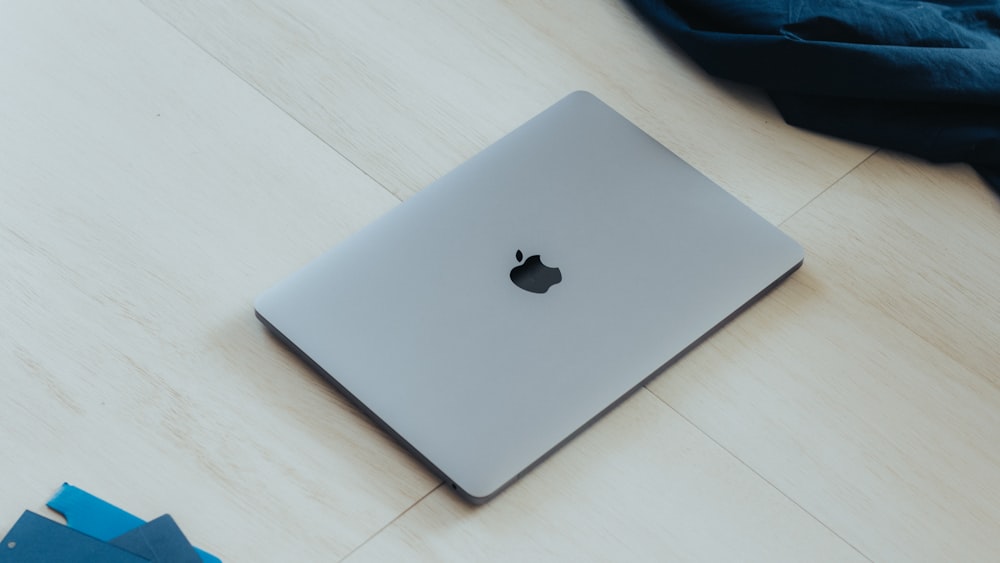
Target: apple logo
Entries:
(534, 276)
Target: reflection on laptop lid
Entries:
(492, 316)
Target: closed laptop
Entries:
(495, 314)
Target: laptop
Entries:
(497, 313)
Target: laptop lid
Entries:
(495, 314)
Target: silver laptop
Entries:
(497, 313)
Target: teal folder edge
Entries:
(98, 518)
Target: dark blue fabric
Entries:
(920, 77)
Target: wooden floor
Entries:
(162, 162)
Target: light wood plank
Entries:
(408, 90)
(866, 387)
(148, 196)
(921, 245)
(641, 485)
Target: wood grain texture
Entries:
(148, 196)
(865, 388)
(162, 162)
(408, 90)
(641, 485)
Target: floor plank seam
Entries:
(828, 188)
(391, 522)
(761, 477)
(266, 97)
